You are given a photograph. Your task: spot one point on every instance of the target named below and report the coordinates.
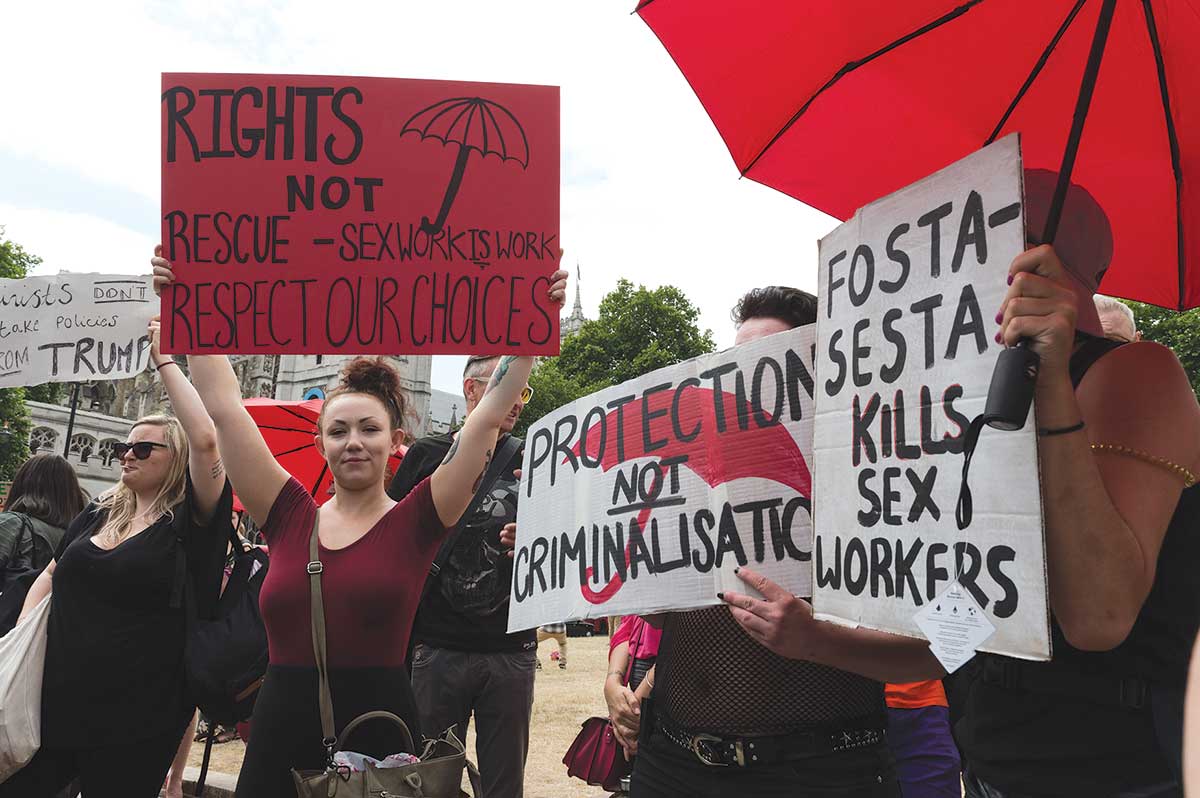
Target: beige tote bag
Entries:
(22, 656)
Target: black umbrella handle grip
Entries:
(1010, 394)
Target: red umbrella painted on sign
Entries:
(472, 123)
(746, 448)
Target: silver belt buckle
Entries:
(700, 751)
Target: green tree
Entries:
(638, 330)
(1179, 331)
(551, 390)
(15, 263)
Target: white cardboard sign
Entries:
(72, 327)
(909, 291)
(644, 497)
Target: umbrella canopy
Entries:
(839, 102)
(289, 428)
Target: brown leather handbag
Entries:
(437, 775)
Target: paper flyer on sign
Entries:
(74, 327)
(955, 626)
(645, 496)
(909, 288)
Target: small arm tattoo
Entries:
(487, 461)
(500, 371)
(218, 469)
(453, 451)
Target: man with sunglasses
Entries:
(463, 660)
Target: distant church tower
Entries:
(571, 324)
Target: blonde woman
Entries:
(114, 701)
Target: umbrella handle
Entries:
(460, 166)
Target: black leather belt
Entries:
(718, 751)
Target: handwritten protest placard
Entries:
(308, 214)
(909, 290)
(73, 327)
(646, 496)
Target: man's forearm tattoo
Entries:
(501, 370)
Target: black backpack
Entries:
(226, 654)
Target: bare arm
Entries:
(241, 450)
(785, 624)
(38, 590)
(256, 475)
(624, 710)
(454, 482)
(204, 462)
(1106, 514)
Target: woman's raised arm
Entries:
(455, 481)
(204, 461)
(255, 474)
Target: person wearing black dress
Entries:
(114, 699)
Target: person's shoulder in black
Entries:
(421, 460)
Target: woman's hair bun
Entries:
(370, 375)
(376, 377)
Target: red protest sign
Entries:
(311, 215)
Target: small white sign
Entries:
(955, 626)
(72, 327)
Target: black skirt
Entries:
(286, 728)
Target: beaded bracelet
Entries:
(1189, 479)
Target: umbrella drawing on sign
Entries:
(289, 429)
(743, 450)
(472, 123)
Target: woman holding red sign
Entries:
(373, 553)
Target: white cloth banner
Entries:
(684, 474)
(73, 327)
(909, 290)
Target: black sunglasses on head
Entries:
(141, 449)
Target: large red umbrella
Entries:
(839, 102)
(289, 429)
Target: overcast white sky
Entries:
(649, 191)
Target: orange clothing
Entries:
(914, 695)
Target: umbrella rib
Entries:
(293, 451)
(321, 476)
(853, 65)
(468, 107)
(273, 428)
(521, 130)
(1037, 70)
(1173, 140)
(450, 106)
(1084, 102)
(503, 143)
(294, 414)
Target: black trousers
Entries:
(129, 769)
(664, 770)
(285, 732)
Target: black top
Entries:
(713, 677)
(468, 609)
(114, 658)
(1050, 742)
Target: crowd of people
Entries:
(750, 697)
